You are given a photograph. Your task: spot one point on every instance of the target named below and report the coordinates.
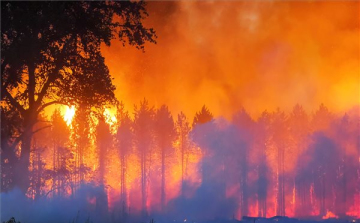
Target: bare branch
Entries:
(42, 107)
(39, 129)
(13, 102)
(51, 79)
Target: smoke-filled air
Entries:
(180, 111)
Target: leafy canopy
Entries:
(51, 50)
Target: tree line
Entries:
(280, 164)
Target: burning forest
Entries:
(121, 111)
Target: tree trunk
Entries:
(262, 189)
(22, 169)
(280, 183)
(162, 178)
(38, 175)
(182, 164)
(244, 186)
(123, 186)
(143, 183)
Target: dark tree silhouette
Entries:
(245, 125)
(345, 135)
(321, 119)
(323, 167)
(103, 144)
(262, 137)
(143, 137)
(65, 166)
(165, 134)
(60, 135)
(10, 129)
(279, 129)
(183, 130)
(81, 125)
(124, 140)
(298, 133)
(37, 173)
(202, 116)
(51, 54)
(203, 127)
(343, 129)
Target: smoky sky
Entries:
(256, 54)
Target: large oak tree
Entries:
(51, 54)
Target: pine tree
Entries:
(124, 140)
(165, 134)
(60, 135)
(262, 137)
(103, 145)
(244, 124)
(183, 130)
(279, 134)
(81, 139)
(143, 138)
(202, 117)
(299, 130)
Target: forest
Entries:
(151, 163)
(199, 145)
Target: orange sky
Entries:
(228, 54)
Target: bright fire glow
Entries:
(69, 114)
(110, 117)
(329, 214)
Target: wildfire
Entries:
(110, 117)
(108, 114)
(249, 153)
(69, 114)
(354, 210)
(329, 214)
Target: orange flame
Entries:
(329, 214)
(110, 118)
